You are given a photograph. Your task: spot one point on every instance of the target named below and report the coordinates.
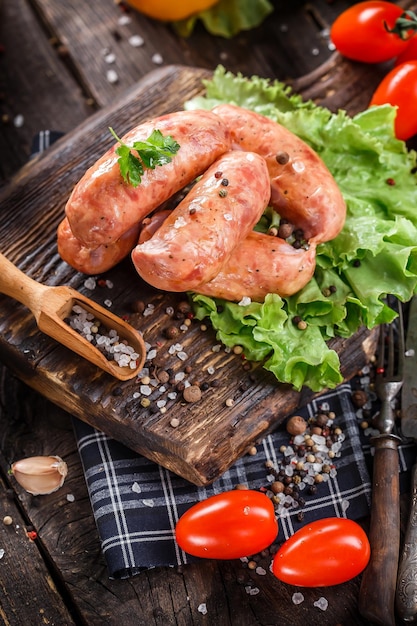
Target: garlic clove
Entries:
(40, 475)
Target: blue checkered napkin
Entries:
(136, 503)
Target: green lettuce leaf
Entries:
(374, 255)
(227, 18)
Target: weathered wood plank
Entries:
(34, 84)
(278, 50)
(28, 591)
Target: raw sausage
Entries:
(260, 264)
(302, 188)
(93, 260)
(199, 235)
(102, 206)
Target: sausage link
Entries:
(199, 235)
(259, 265)
(302, 188)
(102, 206)
(93, 260)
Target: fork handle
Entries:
(377, 591)
(406, 600)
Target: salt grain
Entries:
(179, 222)
(90, 283)
(124, 20)
(18, 121)
(321, 603)
(297, 598)
(1, 553)
(136, 488)
(202, 608)
(70, 497)
(112, 76)
(149, 503)
(150, 309)
(110, 58)
(136, 41)
(157, 59)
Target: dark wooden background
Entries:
(53, 76)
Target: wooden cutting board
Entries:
(238, 405)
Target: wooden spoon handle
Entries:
(15, 283)
(377, 591)
(406, 599)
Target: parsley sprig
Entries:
(155, 150)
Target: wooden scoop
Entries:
(51, 306)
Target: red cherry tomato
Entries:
(399, 88)
(410, 53)
(324, 553)
(359, 32)
(229, 525)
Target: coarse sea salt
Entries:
(179, 222)
(202, 608)
(136, 41)
(107, 341)
(112, 76)
(90, 283)
(297, 598)
(321, 603)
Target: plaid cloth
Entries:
(136, 503)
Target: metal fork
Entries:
(377, 591)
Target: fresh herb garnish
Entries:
(155, 150)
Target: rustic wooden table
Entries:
(53, 75)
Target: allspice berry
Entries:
(192, 393)
(359, 398)
(277, 487)
(296, 425)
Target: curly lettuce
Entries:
(374, 255)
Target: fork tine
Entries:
(390, 366)
(381, 350)
(391, 352)
(401, 340)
